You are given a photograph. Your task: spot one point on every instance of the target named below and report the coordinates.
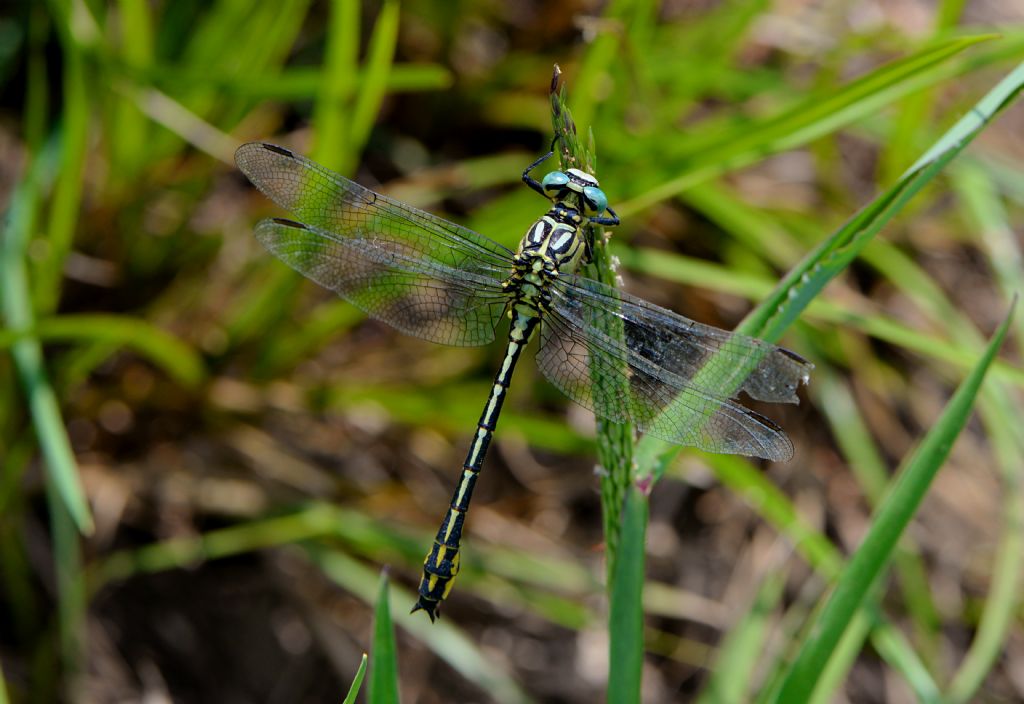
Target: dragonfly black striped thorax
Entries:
(553, 244)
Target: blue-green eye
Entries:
(554, 181)
(595, 199)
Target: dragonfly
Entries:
(437, 280)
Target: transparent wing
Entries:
(659, 375)
(420, 273)
(319, 197)
(416, 295)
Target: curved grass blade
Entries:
(749, 483)
(734, 670)
(1002, 603)
(890, 520)
(291, 83)
(179, 360)
(1000, 417)
(795, 292)
(383, 686)
(16, 302)
(806, 280)
(732, 147)
(890, 643)
(357, 682)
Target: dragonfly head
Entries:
(560, 185)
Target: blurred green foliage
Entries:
(204, 460)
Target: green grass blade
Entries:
(65, 209)
(915, 110)
(16, 302)
(306, 526)
(866, 463)
(600, 55)
(185, 124)
(733, 146)
(129, 130)
(37, 90)
(1000, 416)
(260, 37)
(747, 224)
(741, 652)
(357, 682)
(833, 675)
(331, 146)
(292, 83)
(179, 360)
(742, 477)
(450, 644)
(309, 523)
(979, 193)
(383, 685)
(890, 644)
(805, 281)
(4, 699)
(71, 583)
(380, 55)
(626, 617)
(1001, 606)
(748, 482)
(887, 525)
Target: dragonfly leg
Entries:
(611, 220)
(532, 182)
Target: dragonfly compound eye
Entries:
(595, 199)
(554, 182)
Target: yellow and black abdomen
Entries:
(550, 245)
(441, 565)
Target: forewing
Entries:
(655, 370)
(330, 202)
(392, 282)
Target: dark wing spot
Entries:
(278, 150)
(792, 355)
(290, 223)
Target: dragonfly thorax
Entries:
(553, 243)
